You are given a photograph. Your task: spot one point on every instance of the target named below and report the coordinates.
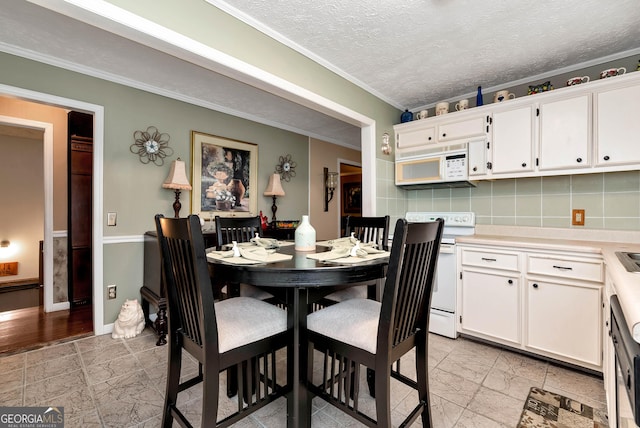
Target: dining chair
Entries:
(366, 229)
(240, 332)
(376, 334)
(240, 229)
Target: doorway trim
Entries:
(98, 145)
(47, 261)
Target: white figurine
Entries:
(130, 322)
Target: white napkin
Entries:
(251, 253)
(265, 242)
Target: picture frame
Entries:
(225, 177)
(352, 197)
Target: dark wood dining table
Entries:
(298, 283)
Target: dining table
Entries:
(298, 283)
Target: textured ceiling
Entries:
(411, 53)
(414, 53)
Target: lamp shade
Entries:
(177, 178)
(274, 188)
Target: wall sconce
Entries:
(330, 184)
(386, 147)
(7, 249)
(177, 180)
(5, 244)
(274, 188)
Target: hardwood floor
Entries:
(31, 328)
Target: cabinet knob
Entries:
(475, 168)
(524, 164)
(606, 158)
(444, 135)
(429, 138)
(510, 281)
(579, 160)
(535, 285)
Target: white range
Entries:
(443, 301)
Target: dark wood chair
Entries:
(241, 332)
(240, 229)
(366, 229)
(375, 334)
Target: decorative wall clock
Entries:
(286, 167)
(151, 146)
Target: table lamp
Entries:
(274, 188)
(177, 180)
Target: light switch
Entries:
(111, 219)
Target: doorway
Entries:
(54, 312)
(350, 192)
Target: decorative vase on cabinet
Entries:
(305, 236)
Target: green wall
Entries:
(132, 189)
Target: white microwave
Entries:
(436, 170)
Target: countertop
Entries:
(603, 242)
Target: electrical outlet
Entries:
(577, 217)
(111, 219)
(111, 292)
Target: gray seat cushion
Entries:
(243, 320)
(353, 321)
(357, 292)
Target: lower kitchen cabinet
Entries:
(544, 302)
(490, 304)
(564, 320)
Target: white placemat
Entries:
(271, 258)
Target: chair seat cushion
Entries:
(357, 292)
(243, 320)
(354, 322)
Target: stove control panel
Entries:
(458, 219)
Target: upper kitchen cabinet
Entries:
(462, 128)
(441, 131)
(618, 124)
(512, 141)
(414, 135)
(565, 133)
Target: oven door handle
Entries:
(447, 248)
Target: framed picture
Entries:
(352, 197)
(225, 177)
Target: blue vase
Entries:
(407, 116)
(479, 101)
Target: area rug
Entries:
(544, 409)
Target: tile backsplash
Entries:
(610, 200)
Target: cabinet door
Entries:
(477, 158)
(415, 138)
(565, 320)
(462, 129)
(618, 126)
(565, 133)
(513, 140)
(490, 305)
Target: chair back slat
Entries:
(369, 229)
(407, 294)
(239, 229)
(186, 276)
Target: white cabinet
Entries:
(536, 300)
(415, 137)
(478, 158)
(565, 133)
(618, 126)
(512, 140)
(490, 294)
(490, 305)
(608, 352)
(461, 129)
(563, 319)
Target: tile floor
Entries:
(102, 382)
